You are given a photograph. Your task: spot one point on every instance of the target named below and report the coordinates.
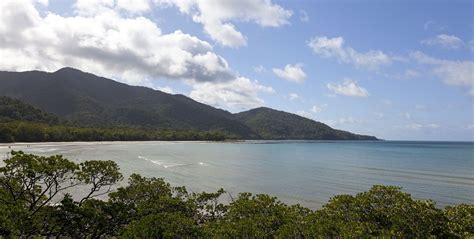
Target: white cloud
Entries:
(348, 88)
(304, 16)
(470, 127)
(43, 2)
(386, 102)
(93, 7)
(348, 120)
(135, 6)
(407, 115)
(444, 41)
(260, 69)
(293, 96)
(99, 40)
(305, 114)
(432, 25)
(379, 115)
(334, 48)
(166, 89)
(343, 121)
(418, 126)
(318, 108)
(291, 73)
(217, 16)
(414, 126)
(238, 94)
(460, 73)
(315, 109)
(421, 107)
(107, 44)
(434, 126)
(410, 74)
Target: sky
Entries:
(399, 70)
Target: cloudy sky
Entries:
(395, 69)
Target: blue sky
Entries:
(393, 69)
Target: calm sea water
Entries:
(308, 173)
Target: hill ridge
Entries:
(90, 100)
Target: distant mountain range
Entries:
(84, 99)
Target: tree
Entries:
(30, 206)
(460, 220)
(29, 185)
(99, 174)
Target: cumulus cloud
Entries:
(460, 73)
(335, 48)
(348, 88)
(343, 121)
(378, 115)
(291, 73)
(432, 25)
(318, 108)
(418, 126)
(304, 17)
(238, 94)
(444, 41)
(166, 89)
(106, 43)
(410, 74)
(315, 109)
(293, 96)
(217, 16)
(305, 114)
(100, 40)
(407, 115)
(259, 69)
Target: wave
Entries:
(149, 160)
(40, 150)
(170, 165)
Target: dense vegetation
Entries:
(37, 132)
(273, 124)
(86, 100)
(32, 203)
(16, 110)
(20, 122)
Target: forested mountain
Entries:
(16, 110)
(274, 124)
(86, 100)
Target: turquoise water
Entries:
(308, 173)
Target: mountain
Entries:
(16, 110)
(274, 124)
(87, 100)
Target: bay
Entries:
(304, 172)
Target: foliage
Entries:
(274, 124)
(20, 131)
(21, 122)
(86, 100)
(460, 220)
(15, 110)
(34, 202)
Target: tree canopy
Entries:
(35, 200)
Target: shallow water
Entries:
(305, 172)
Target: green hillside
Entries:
(87, 100)
(274, 124)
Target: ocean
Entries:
(304, 172)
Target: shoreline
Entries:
(255, 141)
